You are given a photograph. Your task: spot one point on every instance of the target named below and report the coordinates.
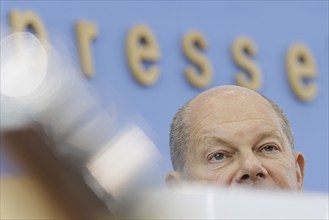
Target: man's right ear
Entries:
(173, 179)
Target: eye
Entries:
(269, 148)
(217, 157)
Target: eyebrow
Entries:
(209, 142)
(218, 140)
(269, 134)
(261, 136)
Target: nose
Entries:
(250, 169)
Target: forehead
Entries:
(230, 104)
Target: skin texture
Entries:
(237, 140)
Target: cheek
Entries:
(222, 175)
(283, 174)
(210, 174)
(220, 179)
(194, 170)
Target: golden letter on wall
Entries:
(20, 21)
(300, 66)
(192, 43)
(141, 46)
(242, 49)
(86, 32)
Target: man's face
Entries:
(237, 140)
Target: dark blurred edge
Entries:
(64, 185)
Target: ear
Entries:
(300, 164)
(173, 179)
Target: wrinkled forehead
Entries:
(230, 103)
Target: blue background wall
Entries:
(273, 25)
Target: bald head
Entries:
(225, 104)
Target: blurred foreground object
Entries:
(224, 203)
(110, 150)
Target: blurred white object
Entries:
(23, 65)
(40, 87)
(125, 157)
(23, 69)
(225, 203)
